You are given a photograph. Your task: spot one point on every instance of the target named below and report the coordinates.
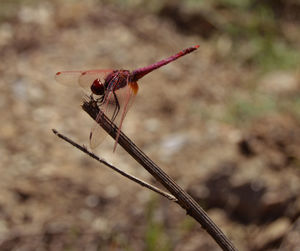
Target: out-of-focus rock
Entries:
(291, 240)
(280, 83)
(271, 233)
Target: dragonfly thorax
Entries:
(116, 80)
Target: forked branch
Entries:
(126, 175)
(184, 200)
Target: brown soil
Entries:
(244, 172)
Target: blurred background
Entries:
(222, 121)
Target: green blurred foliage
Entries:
(241, 111)
(187, 225)
(156, 236)
(262, 34)
(10, 8)
(254, 27)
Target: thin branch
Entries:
(129, 176)
(184, 200)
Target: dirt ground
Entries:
(226, 131)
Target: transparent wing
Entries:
(87, 78)
(68, 77)
(84, 78)
(124, 97)
(97, 136)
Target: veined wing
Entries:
(87, 78)
(84, 78)
(68, 77)
(124, 97)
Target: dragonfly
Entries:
(114, 91)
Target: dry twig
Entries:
(184, 200)
(129, 176)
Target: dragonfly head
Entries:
(97, 87)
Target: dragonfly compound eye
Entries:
(97, 87)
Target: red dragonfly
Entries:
(114, 90)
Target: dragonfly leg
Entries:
(92, 97)
(117, 107)
(100, 100)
